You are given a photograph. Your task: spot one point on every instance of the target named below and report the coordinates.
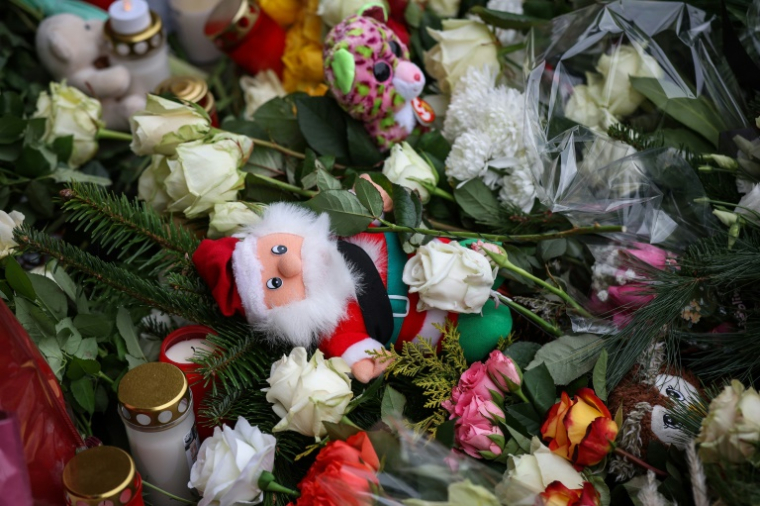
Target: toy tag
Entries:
(423, 111)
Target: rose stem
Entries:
(530, 315)
(503, 262)
(284, 186)
(167, 494)
(105, 133)
(639, 462)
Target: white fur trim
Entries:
(358, 351)
(329, 280)
(373, 248)
(428, 331)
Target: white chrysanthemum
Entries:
(503, 118)
(468, 103)
(469, 156)
(507, 37)
(518, 189)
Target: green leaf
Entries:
(88, 349)
(552, 248)
(538, 386)
(93, 325)
(477, 200)
(84, 393)
(340, 431)
(61, 175)
(11, 129)
(369, 197)
(361, 149)
(326, 181)
(682, 137)
(127, 330)
(347, 215)
(523, 418)
(74, 371)
(35, 161)
(522, 352)
(503, 19)
(133, 361)
(695, 112)
(323, 124)
(568, 356)
(50, 295)
(9, 152)
(69, 337)
(39, 197)
(277, 118)
(407, 208)
(64, 281)
(63, 147)
(444, 433)
(392, 407)
(600, 376)
(11, 104)
(19, 279)
(35, 321)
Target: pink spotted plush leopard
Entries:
(370, 75)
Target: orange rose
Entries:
(556, 494)
(581, 430)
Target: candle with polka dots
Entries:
(136, 40)
(102, 476)
(156, 406)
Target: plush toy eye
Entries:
(395, 48)
(670, 423)
(382, 71)
(87, 26)
(274, 283)
(279, 249)
(674, 394)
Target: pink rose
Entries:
(652, 255)
(630, 297)
(503, 371)
(476, 379)
(477, 409)
(471, 431)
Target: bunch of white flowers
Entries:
(484, 122)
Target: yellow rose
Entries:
(304, 68)
(284, 12)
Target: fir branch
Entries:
(636, 138)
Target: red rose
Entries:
(341, 474)
(556, 494)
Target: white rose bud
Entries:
(449, 276)
(731, 429)
(164, 124)
(230, 463)
(617, 95)
(305, 394)
(529, 475)
(333, 12)
(582, 107)
(461, 44)
(68, 111)
(403, 164)
(205, 173)
(444, 8)
(259, 90)
(230, 218)
(8, 221)
(150, 186)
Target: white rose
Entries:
(617, 94)
(528, 475)
(449, 276)
(8, 221)
(229, 218)
(68, 111)
(731, 429)
(335, 11)
(403, 164)
(230, 463)
(582, 107)
(150, 186)
(259, 90)
(305, 394)
(205, 173)
(461, 44)
(164, 124)
(444, 8)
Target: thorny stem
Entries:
(167, 494)
(503, 262)
(530, 315)
(639, 462)
(594, 229)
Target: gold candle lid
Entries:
(100, 474)
(135, 45)
(230, 22)
(153, 395)
(190, 89)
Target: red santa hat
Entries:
(232, 269)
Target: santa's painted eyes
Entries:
(279, 250)
(382, 71)
(395, 48)
(274, 283)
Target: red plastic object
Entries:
(14, 478)
(30, 389)
(194, 379)
(103, 4)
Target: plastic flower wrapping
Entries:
(403, 253)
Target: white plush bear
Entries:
(74, 49)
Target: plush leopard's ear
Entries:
(374, 10)
(344, 70)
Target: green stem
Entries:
(285, 186)
(595, 229)
(440, 192)
(727, 204)
(521, 395)
(267, 483)
(105, 133)
(503, 262)
(167, 494)
(105, 378)
(530, 315)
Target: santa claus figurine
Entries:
(297, 283)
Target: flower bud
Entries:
(504, 372)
